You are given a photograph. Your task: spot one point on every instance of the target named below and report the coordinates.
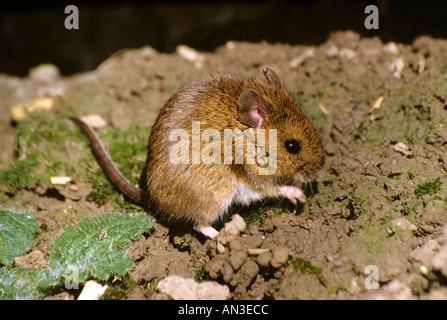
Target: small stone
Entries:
(191, 55)
(220, 248)
(95, 121)
(235, 226)
(235, 245)
(239, 222)
(296, 62)
(402, 148)
(347, 53)
(60, 180)
(214, 267)
(230, 45)
(279, 256)
(92, 290)
(391, 47)
(237, 259)
(188, 289)
(19, 111)
(246, 274)
(377, 104)
(45, 72)
(396, 67)
(73, 188)
(212, 248)
(332, 51)
(403, 224)
(257, 252)
(264, 259)
(227, 273)
(421, 66)
(256, 240)
(231, 229)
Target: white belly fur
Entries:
(243, 194)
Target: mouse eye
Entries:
(292, 146)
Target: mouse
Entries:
(196, 170)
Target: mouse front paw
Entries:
(293, 194)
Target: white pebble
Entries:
(332, 51)
(347, 53)
(396, 67)
(403, 224)
(402, 148)
(187, 289)
(391, 47)
(92, 291)
(190, 55)
(296, 62)
(60, 180)
(95, 121)
(230, 45)
(21, 110)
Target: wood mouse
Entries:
(202, 193)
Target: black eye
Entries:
(292, 146)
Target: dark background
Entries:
(33, 32)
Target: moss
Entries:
(128, 150)
(342, 284)
(44, 148)
(51, 145)
(356, 204)
(412, 175)
(201, 274)
(253, 215)
(376, 239)
(428, 188)
(410, 207)
(304, 267)
(103, 189)
(386, 221)
(120, 290)
(20, 175)
(150, 289)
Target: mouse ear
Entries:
(272, 77)
(252, 109)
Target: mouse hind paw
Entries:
(207, 231)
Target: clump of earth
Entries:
(373, 228)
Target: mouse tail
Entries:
(107, 164)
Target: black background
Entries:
(33, 32)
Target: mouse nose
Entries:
(309, 173)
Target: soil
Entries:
(380, 211)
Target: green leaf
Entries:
(16, 234)
(92, 247)
(19, 284)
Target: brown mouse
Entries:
(180, 181)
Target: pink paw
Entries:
(293, 194)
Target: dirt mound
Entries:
(372, 228)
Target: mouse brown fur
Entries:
(201, 193)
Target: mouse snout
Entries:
(309, 173)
